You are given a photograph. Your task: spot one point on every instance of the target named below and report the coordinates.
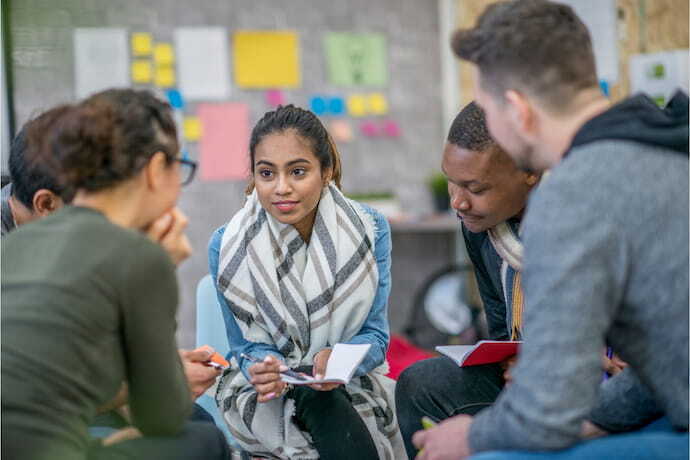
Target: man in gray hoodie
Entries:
(606, 248)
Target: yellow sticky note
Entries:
(141, 71)
(141, 44)
(266, 59)
(165, 76)
(192, 129)
(357, 105)
(163, 54)
(378, 104)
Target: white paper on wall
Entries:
(101, 60)
(601, 18)
(203, 68)
(659, 74)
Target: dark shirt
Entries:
(487, 270)
(86, 305)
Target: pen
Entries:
(288, 372)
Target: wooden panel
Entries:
(644, 26)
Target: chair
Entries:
(210, 330)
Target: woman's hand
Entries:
(507, 366)
(265, 376)
(320, 363)
(168, 231)
(613, 365)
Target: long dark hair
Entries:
(308, 126)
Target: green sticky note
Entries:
(356, 59)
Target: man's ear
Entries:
(154, 172)
(522, 113)
(46, 202)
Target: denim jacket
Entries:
(374, 331)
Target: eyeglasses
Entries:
(187, 170)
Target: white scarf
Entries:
(300, 313)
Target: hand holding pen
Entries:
(265, 376)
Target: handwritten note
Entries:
(203, 63)
(101, 60)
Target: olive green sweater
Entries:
(86, 305)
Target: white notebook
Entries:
(341, 366)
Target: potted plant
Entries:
(438, 184)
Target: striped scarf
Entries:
(300, 312)
(507, 244)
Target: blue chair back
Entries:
(210, 330)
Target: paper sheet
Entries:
(356, 59)
(141, 44)
(601, 18)
(203, 63)
(266, 59)
(101, 60)
(659, 74)
(224, 147)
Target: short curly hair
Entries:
(469, 130)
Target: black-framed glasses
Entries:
(187, 170)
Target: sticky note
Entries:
(369, 128)
(340, 130)
(377, 104)
(275, 97)
(192, 129)
(141, 44)
(175, 99)
(165, 76)
(142, 71)
(203, 63)
(336, 106)
(163, 54)
(318, 105)
(101, 60)
(357, 105)
(390, 128)
(266, 59)
(356, 59)
(224, 147)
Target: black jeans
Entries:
(337, 430)
(197, 441)
(439, 389)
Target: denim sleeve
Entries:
(238, 344)
(375, 329)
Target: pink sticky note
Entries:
(340, 130)
(275, 97)
(369, 128)
(224, 146)
(391, 128)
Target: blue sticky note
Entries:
(318, 105)
(336, 106)
(604, 85)
(185, 155)
(175, 99)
